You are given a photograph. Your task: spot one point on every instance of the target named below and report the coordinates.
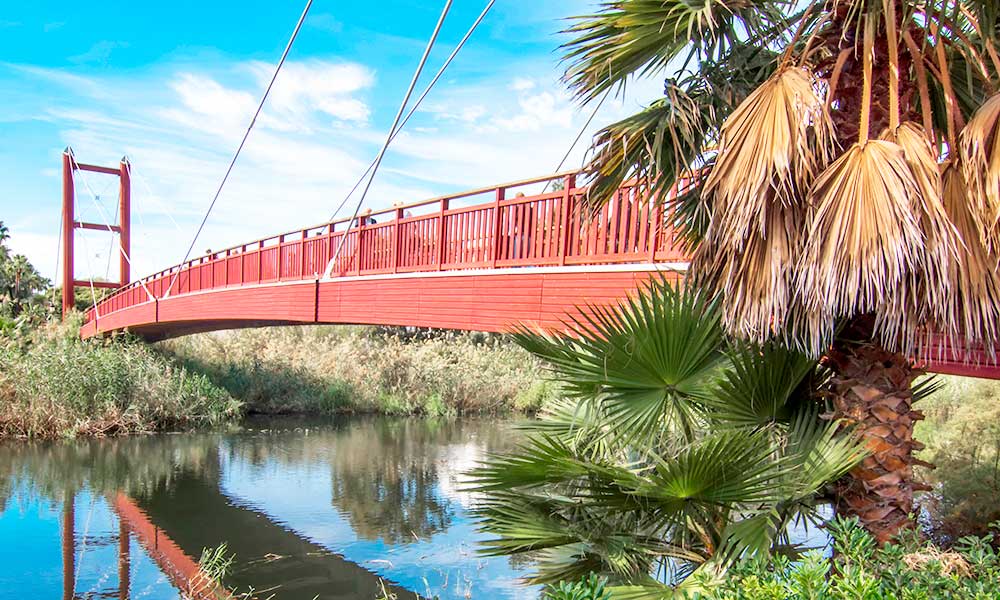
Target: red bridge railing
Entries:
(512, 229)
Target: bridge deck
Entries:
(445, 262)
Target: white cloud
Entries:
(522, 85)
(205, 105)
(538, 111)
(305, 87)
(325, 22)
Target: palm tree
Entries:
(675, 452)
(19, 281)
(846, 185)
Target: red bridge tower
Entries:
(70, 225)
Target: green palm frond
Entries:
(763, 385)
(542, 459)
(522, 525)
(924, 387)
(726, 467)
(640, 37)
(649, 361)
(622, 516)
(581, 424)
(671, 138)
(751, 536)
(656, 145)
(819, 452)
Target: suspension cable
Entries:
(416, 104)
(239, 149)
(388, 138)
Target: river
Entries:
(332, 509)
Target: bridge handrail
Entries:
(515, 233)
(331, 224)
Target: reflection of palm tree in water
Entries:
(385, 481)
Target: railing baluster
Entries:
(442, 234)
(657, 226)
(495, 244)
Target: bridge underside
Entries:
(484, 300)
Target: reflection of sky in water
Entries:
(31, 555)
(299, 496)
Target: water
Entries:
(310, 509)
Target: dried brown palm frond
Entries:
(771, 148)
(863, 238)
(922, 297)
(981, 166)
(757, 280)
(975, 281)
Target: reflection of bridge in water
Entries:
(316, 572)
(323, 514)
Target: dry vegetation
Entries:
(366, 369)
(52, 384)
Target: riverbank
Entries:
(54, 385)
(394, 371)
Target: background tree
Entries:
(21, 285)
(846, 185)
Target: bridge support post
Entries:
(125, 220)
(497, 226)
(68, 226)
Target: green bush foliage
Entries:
(674, 452)
(57, 385)
(591, 587)
(908, 570)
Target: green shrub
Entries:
(435, 406)
(908, 570)
(591, 587)
(534, 397)
(337, 397)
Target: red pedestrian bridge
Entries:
(481, 260)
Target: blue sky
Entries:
(173, 88)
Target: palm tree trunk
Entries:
(871, 391)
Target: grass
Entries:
(331, 369)
(55, 385)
